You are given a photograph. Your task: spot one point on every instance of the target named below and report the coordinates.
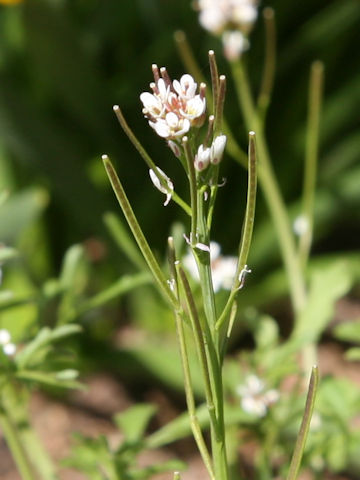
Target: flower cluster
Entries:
(8, 347)
(232, 20)
(223, 269)
(173, 107)
(255, 399)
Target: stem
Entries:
(272, 192)
(311, 158)
(146, 157)
(247, 231)
(269, 63)
(199, 342)
(195, 426)
(305, 425)
(137, 232)
(192, 182)
(15, 445)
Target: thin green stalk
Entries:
(311, 158)
(218, 441)
(192, 182)
(146, 157)
(247, 231)
(272, 192)
(195, 426)
(200, 344)
(189, 61)
(214, 78)
(137, 232)
(16, 447)
(305, 425)
(267, 82)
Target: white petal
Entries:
(161, 128)
(9, 349)
(5, 336)
(156, 181)
(217, 149)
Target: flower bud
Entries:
(217, 149)
(202, 158)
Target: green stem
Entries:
(199, 342)
(272, 192)
(195, 426)
(137, 232)
(247, 231)
(16, 447)
(146, 157)
(311, 158)
(305, 425)
(218, 442)
(192, 181)
(269, 63)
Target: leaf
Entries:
(326, 286)
(133, 421)
(43, 339)
(349, 331)
(353, 354)
(49, 378)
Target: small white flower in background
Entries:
(223, 269)
(255, 399)
(8, 347)
(234, 44)
(231, 19)
(155, 180)
(175, 148)
(217, 149)
(300, 225)
(173, 107)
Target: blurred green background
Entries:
(64, 63)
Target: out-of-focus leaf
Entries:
(52, 379)
(348, 331)
(133, 421)
(353, 354)
(326, 286)
(19, 211)
(44, 338)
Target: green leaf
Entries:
(44, 338)
(48, 378)
(353, 354)
(326, 286)
(134, 420)
(349, 331)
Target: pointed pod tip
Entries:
(104, 157)
(252, 133)
(116, 108)
(211, 53)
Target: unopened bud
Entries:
(202, 158)
(217, 149)
(175, 148)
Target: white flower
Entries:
(155, 180)
(8, 347)
(171, 126)
(234, 44)
(186, 87)
(301, 225)
(173, 107)
(255, 399)
(223, 269)
(217, 149)
(217, 16)
(202, 158)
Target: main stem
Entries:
(218, 442)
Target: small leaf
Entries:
(134, 420)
